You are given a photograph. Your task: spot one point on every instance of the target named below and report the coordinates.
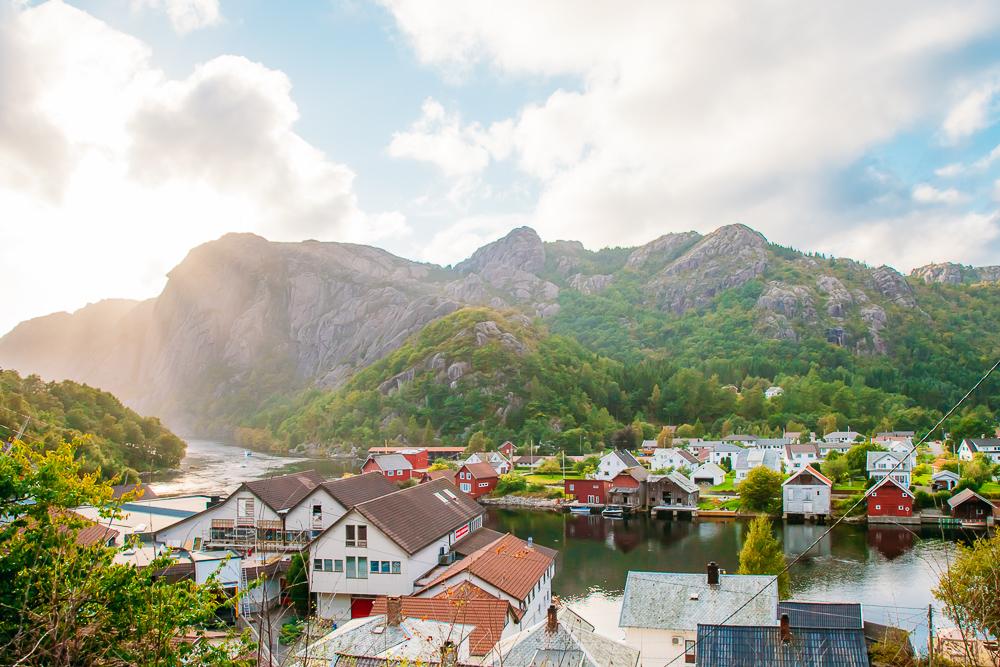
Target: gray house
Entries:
(806, 493)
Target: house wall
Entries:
(889, 500)
(473, 486)
(973, 510)
(300, 517)
(419, 460)
(806, 499)
(587, 490)
(678, 497)
(656, 647)
(199, 525)
(609, 467)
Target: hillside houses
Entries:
(755, 458)
(716, 451)
(674, 458)
(988, 446)
(500, 463)
(613, 463)
(798, 456)
(880, 464)
(846, 437)
(384, 545)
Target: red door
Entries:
(361, 607)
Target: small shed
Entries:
(944, 480)
(708, 473)
(628, 488)
(970, 507)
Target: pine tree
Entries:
(762, 554)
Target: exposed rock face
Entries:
(661, 250)
(728, 257)
(590, 284)
(892, 285)
(874, 316)
(949, 273)
(791, 301)
(838, 299)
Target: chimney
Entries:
(713, 573)
(449, 654)
(552, 623)
(786, 630)
(393, 610)
(531, 542)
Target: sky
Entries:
(134, 130)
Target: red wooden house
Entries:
(888, 498)
(590, 491)
(418, 458)
(508, 450)
(394, 467)
(477, 479)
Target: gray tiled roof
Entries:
(753, 646)
(627, 458)
(393, 462)
(680, 601)
(574, 642)
(874, 457)
(805, 614)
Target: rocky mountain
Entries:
(244, 322)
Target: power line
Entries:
(863, 498)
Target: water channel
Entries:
(890, 569)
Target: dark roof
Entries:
(802, 614)
(481, 470)
(419, 515)
(964, 496)
(352, 491)
(475, 541)
(530, 459)
(751, 646)
(627, 458)
(120, 490)
(284, 492)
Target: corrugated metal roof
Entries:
(680, 601)
(805, 614)
(753, 646)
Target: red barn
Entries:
(508, 450)
(888, 498)
(394, 467)
(418, 457)
(590, 491)
(477, 479)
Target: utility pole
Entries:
(930, 636)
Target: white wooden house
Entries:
(799, 456)
(708, 473)
(384, 546)
(880, 464)
(755, 458)
(972, 446)
(498, 461)
(674, 457)
(614, 463)
(806, 493)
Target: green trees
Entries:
(549, 467)
(67, 603)
(970, 588)
(835, 467)
(762, 554)
(761, 490)
(857, 456)
(298, 584)
(978, 471)
(478, 442)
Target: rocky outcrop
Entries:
(791, 301)
(891, 284)
(661, 250)
(729, 257)
(590, 284)
(949, 273)
(838, 298)
(875, 319)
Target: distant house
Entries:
(394, 467)
(673, 457)
(755, 458)
(988, 446)
(742, 438)
(970, 507)
(529, 461)
(672, 490)
(433, 453)
(417, 456)
(880, 464)
(886, 436)
(799, 456)
(628, 488)
(944, 480)
(648, 446)
(889, 498)
(508, 449)
(494, 459)
(773, 392)
(806, 493)
(772, 443)
(477, 479)
(708, 473)
(825, 448)
(589, 491)
(792, 436)
(614, 462)
(142, 491)
(661, 611)
(717, 451)
(843, 436)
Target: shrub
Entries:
(510, 483)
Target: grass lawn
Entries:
(990, 489)
(853, 485)
(921, 480)
(552, 479)
(726, 485)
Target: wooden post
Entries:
(930, 636)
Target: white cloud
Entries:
(928, 194)
(950, 170)
(185, 15)
(110, 171)
(996, 190)
(975, 111)
(681, 117)
(461, 239)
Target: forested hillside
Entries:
(120, 441)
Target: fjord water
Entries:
(890, 569)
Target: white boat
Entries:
(579, 510)
(247, 453)
(613, 512)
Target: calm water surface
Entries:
(890, 570)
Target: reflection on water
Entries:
(215, 468)
(891, 570)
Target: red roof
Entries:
(481, 470)
(487, 615)
(812, 471)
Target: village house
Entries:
(675, 458)
(826, 448)
(276, 514)
(531, 462)
(671, 491)
(142, 518)
(799, 456)
(563, 638)
(755, 458)
(777, 444)
(477, 479)
(773, 392)
(843, 436)
(661, 611)
(806, 493)
(717, 451)
(628, 488)
(508, 449)
(394, 467)
(742, 438)
(887, 436)
(971, 508)
(494, 459)
(944, 480)
(383, 546)
(988, 446)
(588, 491)
(708, 474)
(615, 462)
(508, 569)
(890, 502)
(880, 464)
(433, 453)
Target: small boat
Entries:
(247, 453)
(613, 512)
(579, 510)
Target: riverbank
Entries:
(523, 502)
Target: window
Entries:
(357, 568)
(483, 485)
(901, 508)
(338, 565)
(318, 564)
(570, 487)
(389, 473)
(399, 473)
(878, 507)
(385, 567)
(317, 511)
(327, 565)
(375, 567)
(689, 650)
(357, 536)
(396, 567)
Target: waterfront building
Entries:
(477, 479)
(806, 493)
(889, 502)
(394, 467)
(971, 508)
(628, 488)
(589, 491)
(671, 491)
(615, 462)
